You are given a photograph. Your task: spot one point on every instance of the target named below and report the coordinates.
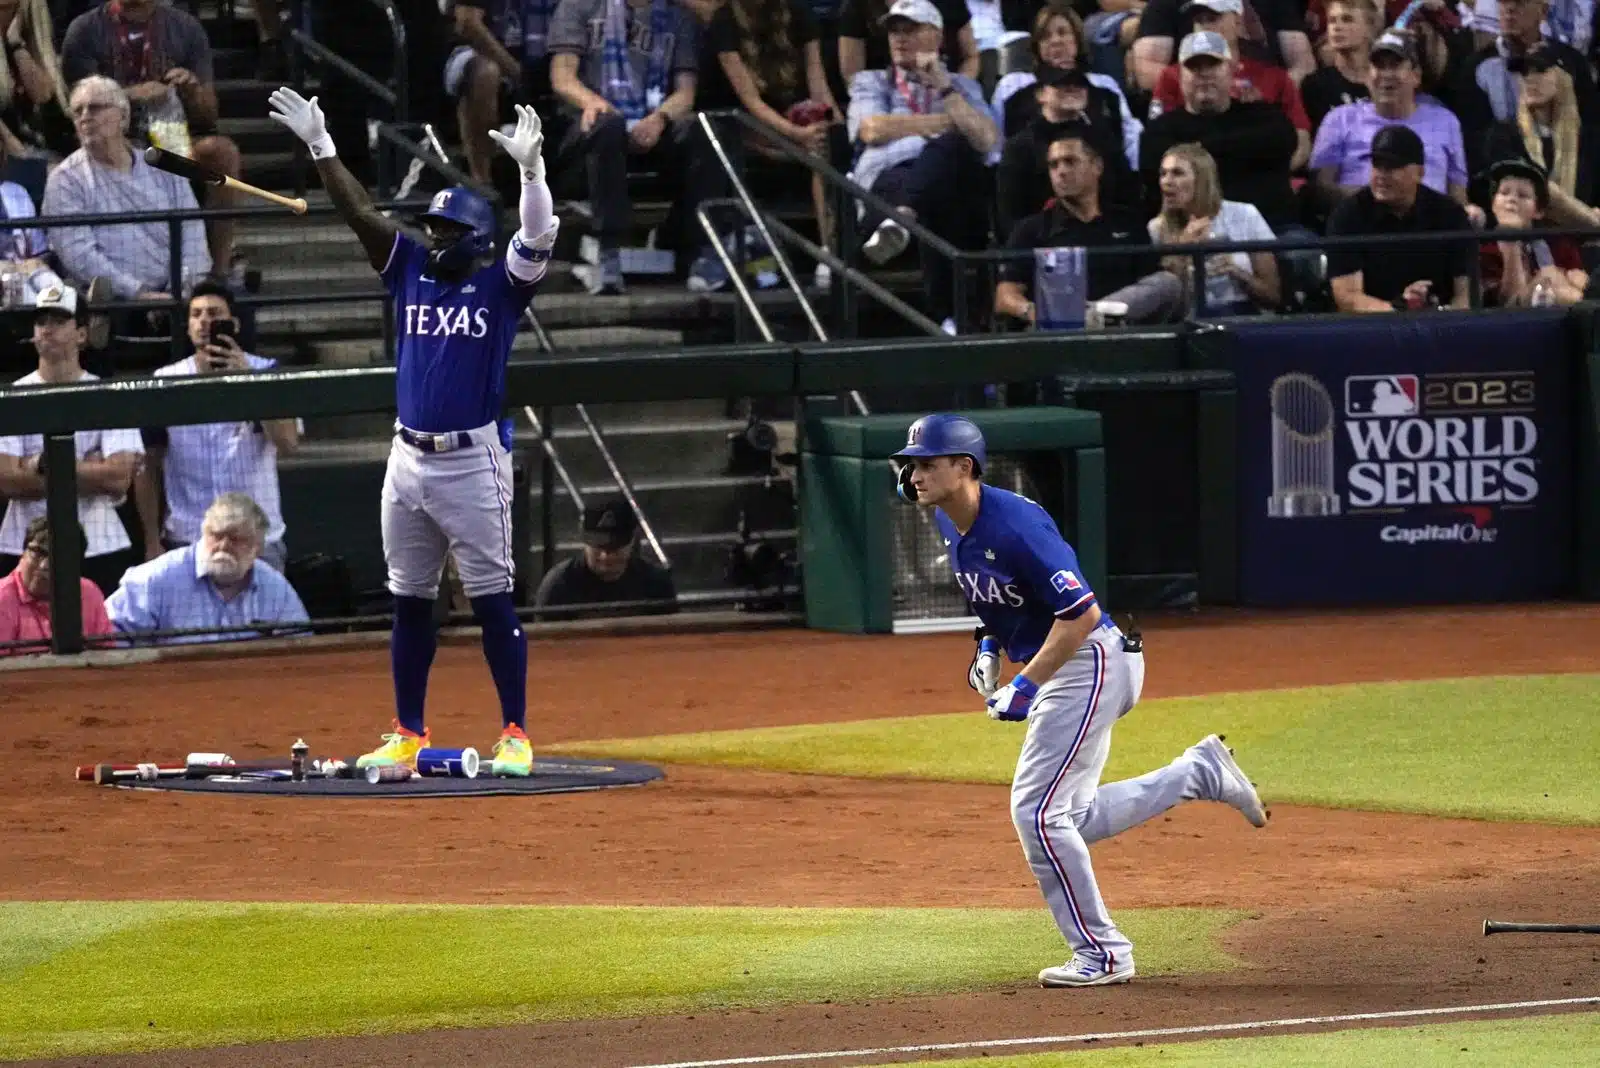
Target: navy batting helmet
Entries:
(945, 435)
(461, 205)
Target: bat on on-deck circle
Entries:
(107, 774)
(1506, 927)
(184, 167)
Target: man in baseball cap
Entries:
(1395, 201)
(1342, 154)
(610, 570)
(1252, 78)
(922, 133)
(1276, 37)
(1256, 170)
(907, 13)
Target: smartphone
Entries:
(221, 328)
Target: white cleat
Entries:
(1082, 971)
(1236, 788)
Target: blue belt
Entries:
(448, 442)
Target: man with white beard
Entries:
(218, 584)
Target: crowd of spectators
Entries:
(1207, 120)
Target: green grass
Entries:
(1567, 1041)
(95, 977)
(1521, 748)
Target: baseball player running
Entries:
(1079, 676)
(448, 484)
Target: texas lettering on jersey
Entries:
(1016, 571)
(425, 320)
(452, 340)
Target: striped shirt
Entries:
(889, 92)
(136, 257)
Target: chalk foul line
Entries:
(1110, 1036)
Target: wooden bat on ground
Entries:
(184, 167)
(1505, 927)
(107, 774)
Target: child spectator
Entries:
(1514, 272)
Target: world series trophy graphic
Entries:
(1302, 449)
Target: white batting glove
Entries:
(526, 145)
(304, 119)
(983, 674)
(1013, 702)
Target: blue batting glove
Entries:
(1013, 701)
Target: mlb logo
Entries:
(1367, 396)
(1064, 581)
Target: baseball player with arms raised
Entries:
(448, 484)
(1079, 676)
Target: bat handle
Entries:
(297, 205)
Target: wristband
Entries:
(988, 645)
(1025, 686)
(322, 148)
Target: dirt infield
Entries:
(1359, 911)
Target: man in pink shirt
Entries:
(25, 595)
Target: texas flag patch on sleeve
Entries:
(1064, 581)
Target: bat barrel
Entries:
(1511, 927)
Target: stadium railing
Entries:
(849, 195)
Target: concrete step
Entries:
(246, 97)
(694, 504)
(256, 134)
(273, 170)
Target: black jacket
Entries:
(1252, 144)
(1023, 178)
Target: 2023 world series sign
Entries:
(1387, 460)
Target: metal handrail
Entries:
(760, 223)
(551, 453)
(838, 179)
(854, 275)
(735, 276)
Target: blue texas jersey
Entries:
(1017, 571)
(452, 340)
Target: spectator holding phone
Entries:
(196, 464)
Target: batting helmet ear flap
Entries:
(903, 485)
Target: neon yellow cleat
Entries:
(512, 754)
(399, 748)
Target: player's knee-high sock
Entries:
(411, 648)
(505, 647)
(1120, 805)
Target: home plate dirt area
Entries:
(1354, 912)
